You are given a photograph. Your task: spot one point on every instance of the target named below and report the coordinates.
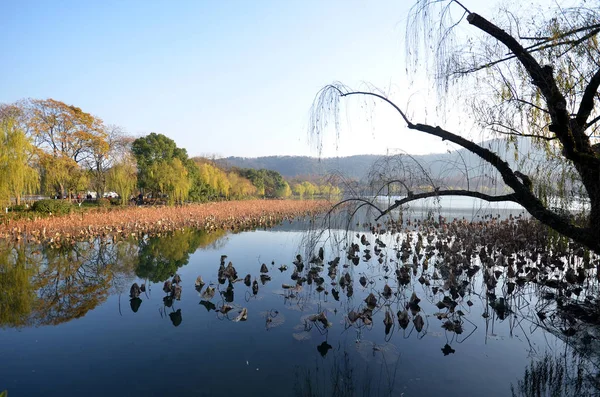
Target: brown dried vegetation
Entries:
(135, 221)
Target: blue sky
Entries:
(218, 77)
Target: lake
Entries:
(70, 326)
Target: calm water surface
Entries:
(70, 328)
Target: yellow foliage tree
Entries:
(17, 176)
(122, 178)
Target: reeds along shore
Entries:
(135, 221)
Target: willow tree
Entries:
(17, 176)
(169, 178)
(179, 182)
(122, 178)
(531, 74)
(61, 174)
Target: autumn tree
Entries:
(67, 134)
(62, 129)
(105, 153)
(527, 73)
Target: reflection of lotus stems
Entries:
(344, 379)
(556, 376)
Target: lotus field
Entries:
(135, 221)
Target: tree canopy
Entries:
(268, 183)
(529, 74)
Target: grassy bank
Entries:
(230, 215)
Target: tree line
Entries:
(51, 148)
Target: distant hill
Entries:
(355, 167)
(450, 165)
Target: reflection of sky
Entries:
(113, 351)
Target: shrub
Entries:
(52, 206)
(103, 202)
(115, 201)
(18, 208)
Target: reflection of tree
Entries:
(161, 256)
(70, 284)
(122, 258)
(17, 265)
(57, 283)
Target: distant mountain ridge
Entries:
(450, 164)
(303, 166)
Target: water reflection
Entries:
(376, 310)
(17, 268)
(557, 375)
(160, 256)
(53, 284)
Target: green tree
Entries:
(151, 150)
(533, 76)
(268, 183)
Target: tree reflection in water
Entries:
(160, 256)
(55, 283)
(18, 264)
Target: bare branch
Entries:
(592, 122)
(383, 98)
(575, 143)
(587, 102)
(438, 193)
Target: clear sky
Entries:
(218, 77)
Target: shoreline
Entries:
(134, 221)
